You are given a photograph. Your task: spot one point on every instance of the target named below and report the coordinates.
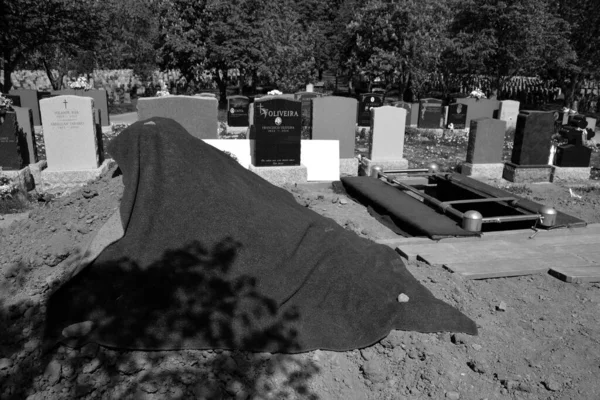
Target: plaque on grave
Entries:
(13, 145)
(430, 113)
(237, 110)
(533, 135)
(277, 131)
(457, 115)
(366, 103)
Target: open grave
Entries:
(424, 202)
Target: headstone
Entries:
(310, 87)
(70, 135)
(197, 114)
(29, 99)
(305, 98)
(25, 121)
(237, 111)
(13, 147)
(100, 100)
(508, 112)
(408, 107)
(430, 113)
(591, 123)
(479, 108)
(414, 114)
(574, 153)
(367, 102)
(334, 119)
(533, 136)
(386, 142)
(486, 140)
(277, 132)
(457, 115)
(127, 98)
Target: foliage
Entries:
(505, 38)
(400, 42)
(583, 18)
(27, 26)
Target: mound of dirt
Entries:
(538, 336)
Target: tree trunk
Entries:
(56, 85)
(8, 70)
(570, 90)
(222, 83)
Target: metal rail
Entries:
(446, 206)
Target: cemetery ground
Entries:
(538, 336)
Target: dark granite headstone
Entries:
(408, 107)
(334, 118)
(29, 99)
(15, 98)
(366, 102)
(486, 140)
(25, 121)
(237, 111)
(430, 113)
(533, 136)
(457, 115)
(574, 153)
(13, 146)
(277, 131)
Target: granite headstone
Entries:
(29, 99)
(197, 114)
(486, 140)
(457, 115)
(367, 102)
(430, 113)
(386, 142)
(25, 121)
(479, 108)
(13, 146)
(408, 107)
(334, 119)
(277, 132)
(237, 111)
(533, 136)
(70, 134)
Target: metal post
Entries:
(472, 221)
(548, 216)
(376, 171)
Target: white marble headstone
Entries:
(69, 133)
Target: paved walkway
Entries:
(572, 255)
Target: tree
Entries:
(583, 19)
(254, 37)
(505, 38)
(27, 26)
(399, 41)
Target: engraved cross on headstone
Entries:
(65, 103)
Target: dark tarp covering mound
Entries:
(213, 256)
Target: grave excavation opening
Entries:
(475, 210)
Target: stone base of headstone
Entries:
(22, 178)
(282, 175)
(64, 182)
(527, 173)
(107, 129)
(367, 165)
(571, 174)
(36, 171)
(483, 171)
(238, 130)
(349, 166)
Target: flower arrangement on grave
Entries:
(162, 93)
(477, 94)
(7, 188)
(80, 84)
(5, 104)
(275, 92)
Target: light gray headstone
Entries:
(334, 118)
(387, 133)
(197, 114)
(69, 133)
(508, 112)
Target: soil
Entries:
(539, 338)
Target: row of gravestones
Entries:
(30, 98)
(428, 113)
(72, 135)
